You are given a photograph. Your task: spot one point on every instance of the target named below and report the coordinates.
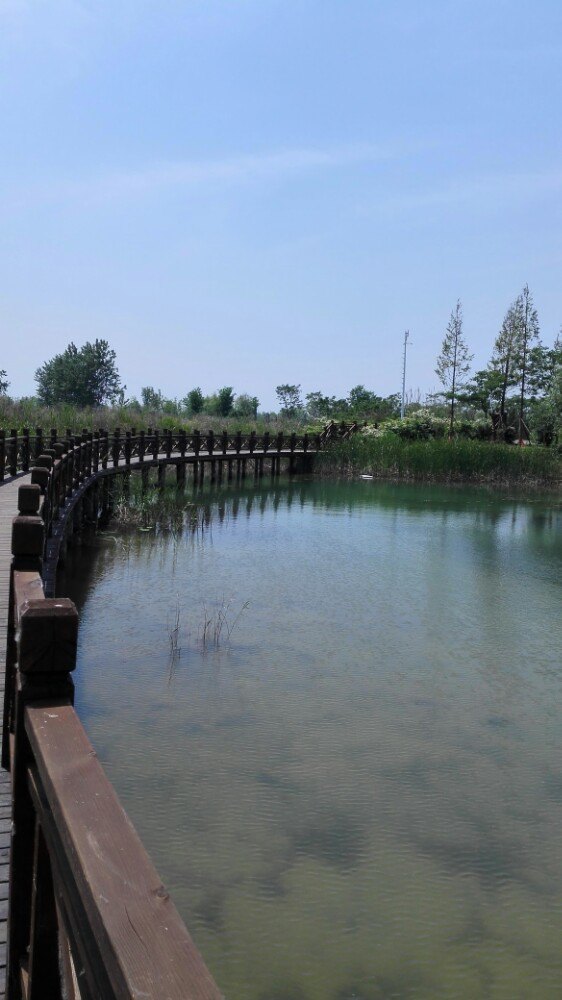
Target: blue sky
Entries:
(250, 192)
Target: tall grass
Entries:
(30, 413)
(458, 460)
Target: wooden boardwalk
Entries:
(8, 510)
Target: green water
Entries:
(359, 796)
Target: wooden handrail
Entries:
(86, 905)
(132, 942)
(86, 451)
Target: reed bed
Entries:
(459, 460)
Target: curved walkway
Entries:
(8, 510)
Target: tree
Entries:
(85, 377)
(506, 356)
(544, 362)
(362, 401)
(319, 405)
(529, 330)
(3, 383)
(225, 401)
(483, 392)
(454, 361)
(152, 399)
(194, 401)
(290, 399)
(246, 406)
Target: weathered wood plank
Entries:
(143, 942)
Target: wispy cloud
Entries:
(193, 174)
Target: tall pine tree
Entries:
(453, 363)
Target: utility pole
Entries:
(402, 407)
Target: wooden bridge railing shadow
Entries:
(88, 916)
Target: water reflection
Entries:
(361, 795)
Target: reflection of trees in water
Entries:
(175, 513)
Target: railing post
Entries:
(86, 455)
(46, 654)
(38, 442)
(2, 454)
(25, 453)
(224, 442)
(293, 442)
(305, 443)
(104, 442)
(77, 467)
(168, 445)
(280, 441)
(210, 441)
(141, 446)
(70, 468)
(266, 442)
(182, 443)
(155, 444)
(28, 538)
(127, 448)
(89, 452)
(238, 442)
(196, 442)
(116, 447)
(13, 459)
(252, 442)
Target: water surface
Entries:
(360, 795)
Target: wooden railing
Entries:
(88, 916)
(20, 452)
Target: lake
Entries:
(332, 711)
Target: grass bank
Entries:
(389, 457)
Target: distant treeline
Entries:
(519, 393)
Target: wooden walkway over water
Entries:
(83, 914)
